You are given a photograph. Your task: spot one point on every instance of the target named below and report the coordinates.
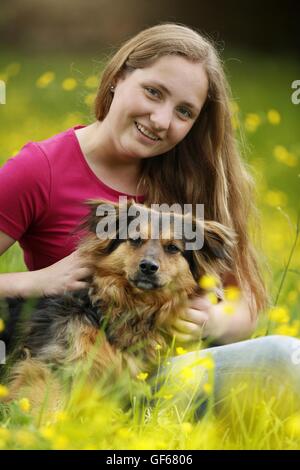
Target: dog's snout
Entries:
(148, 266)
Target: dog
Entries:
(138, 287)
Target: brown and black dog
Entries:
(138, 287)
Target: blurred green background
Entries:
(51, 57)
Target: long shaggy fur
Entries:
(120, 321)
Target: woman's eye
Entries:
(152, 91)
(172, 248)
(185, 112)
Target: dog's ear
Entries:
(216, 253)
(100, 209)
(219, 241)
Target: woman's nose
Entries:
(161, 118)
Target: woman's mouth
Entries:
(146, 132)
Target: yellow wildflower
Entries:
(287, 330)
(25, 438)
(89, 99)
(212, 298)
(92, 81)
(24, 404)
(44, 80)
(47, 432)
(142, 376)
(168, 396)
(207, 362)
(69, 84)
(186, 427)
(279, 315)
(207, 388)
(180, 350)
(158, 347)
(284, 156)
(228, 309)
(292, 425)
(252, 121)
(208, 282)
(4, 434)
(3, 391)
(187, 373)
(60, 442)
(2, 325)
(274, 117)
(232, 293)
(276, 198)
(60, 416)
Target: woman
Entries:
(162, 134)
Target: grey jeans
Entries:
(272, 361)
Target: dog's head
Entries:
(150, 250)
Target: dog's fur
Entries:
(125, 315)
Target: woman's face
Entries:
(154, 108)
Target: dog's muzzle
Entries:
(146, 277)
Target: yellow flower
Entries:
(284, 156)
(287, 330)
(186, 427)
(60, 442)
(207, 362)
(142, 376)
(89, 99)
(228, 309)
(180, 350)
(47, 432)
(92, 81)
(168, 396)
(3, 391)
(232, 293)
(69, 84)
(158, 347)
(276, 198)
(44, 80)
(187, 373)
(208, 282)
(25, 438)
(2, 325)
(252, 121)
(60, 416)
(212, 298)
(123, 433)
(279, 315)
(292, 425)
(4, 434)
(208, 388)
(274, 117)
(24, 404)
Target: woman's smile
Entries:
(145, 134)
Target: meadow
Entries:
(48, 94)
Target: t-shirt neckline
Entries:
(112, 191)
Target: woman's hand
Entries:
(66, 275)
(192, 325)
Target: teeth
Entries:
(146, 132)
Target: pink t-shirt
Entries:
(42, 194)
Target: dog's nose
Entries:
(148, 266)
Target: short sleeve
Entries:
(24, 190)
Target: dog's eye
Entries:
(171, 248)
(135, 241)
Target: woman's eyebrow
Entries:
(167, 91)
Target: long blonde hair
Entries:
(205, 167)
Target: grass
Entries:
(37, 107)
